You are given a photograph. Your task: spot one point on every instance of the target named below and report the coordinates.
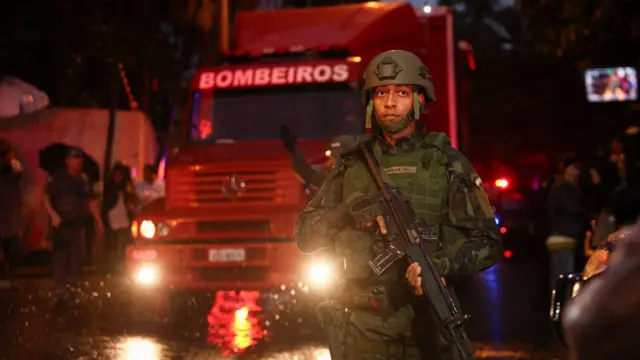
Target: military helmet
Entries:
(397, 67)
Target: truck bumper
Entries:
(173, 267)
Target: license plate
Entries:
(226, 255)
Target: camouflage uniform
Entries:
(445, 193)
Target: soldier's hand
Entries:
(414, 279)
(381, 224)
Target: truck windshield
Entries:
(311, 112)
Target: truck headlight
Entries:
(320, 273)
(147, 275)
(147, 229)
(134, 229)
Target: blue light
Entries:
(498, 219)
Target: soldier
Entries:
(447, 197)
(310, 176)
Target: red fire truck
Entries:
(232, 197)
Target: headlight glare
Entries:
(319, 273)
(147, 275)
(147, 229)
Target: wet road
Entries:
(108, 321)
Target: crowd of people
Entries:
(80, 216)
(589, 201)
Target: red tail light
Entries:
(502, 183)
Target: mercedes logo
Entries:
(233, 187)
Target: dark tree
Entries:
(585, 32)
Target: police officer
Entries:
(447, 197)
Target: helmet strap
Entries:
(417, 105)
(368, 115)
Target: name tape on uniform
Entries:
(401, 170)
(278, 75)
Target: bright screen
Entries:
(613, 84)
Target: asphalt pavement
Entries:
(110, 319)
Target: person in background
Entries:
(607, 169)
(90, 237)
(598, 199)
(616, 150)
(311, 176)
(120, 202)
(69, 200)
(596, 194)
(149, 188)
(626, 198)
(11, 221)
(567, 220)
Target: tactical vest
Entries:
(421, 175)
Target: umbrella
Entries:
(51, 159)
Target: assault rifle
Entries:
(404, 241)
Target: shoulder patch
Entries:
(478, 182)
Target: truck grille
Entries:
(201, 187)
(222, 226)
(230, 274)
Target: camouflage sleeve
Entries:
(470, 222)
(308, 174)
(325, 216)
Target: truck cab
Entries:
(232, 197)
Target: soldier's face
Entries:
(393, 102)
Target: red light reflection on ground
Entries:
(234, 323)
